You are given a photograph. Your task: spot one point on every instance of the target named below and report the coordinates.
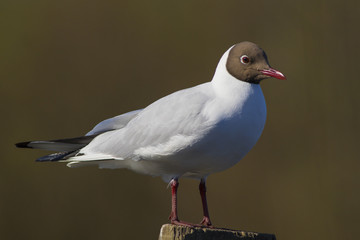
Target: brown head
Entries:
(248, 62)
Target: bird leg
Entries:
(206, 219)
(173, 215)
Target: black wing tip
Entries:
(22, 145)
(54, 157)
(42, 159)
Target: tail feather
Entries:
(65, 148)
(61, 145)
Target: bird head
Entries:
(248, 62)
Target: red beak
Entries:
(273, 73)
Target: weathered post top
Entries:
(175, 232)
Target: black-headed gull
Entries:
(190, 133)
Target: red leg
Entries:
(206, 219)
(173, 215)
(174, 186)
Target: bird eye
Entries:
(244, 59)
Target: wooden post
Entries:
(174, 232)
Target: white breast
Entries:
(240, 117)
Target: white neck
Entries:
(226, 85)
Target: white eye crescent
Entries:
(244, 59)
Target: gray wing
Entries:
(177, 117)
(113, 123)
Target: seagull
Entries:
(190, 133)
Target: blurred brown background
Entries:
(66, 65)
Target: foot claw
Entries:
(206, 222)
(181, 223)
